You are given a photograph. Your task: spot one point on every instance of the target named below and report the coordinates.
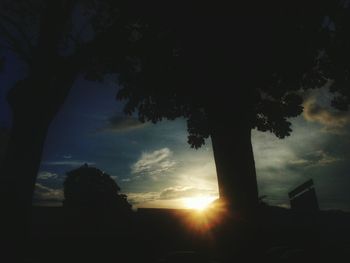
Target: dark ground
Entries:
(162, 235)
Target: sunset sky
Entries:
(154, 165)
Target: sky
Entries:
(155, 167)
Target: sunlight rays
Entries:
(198, 203)
(207, 213)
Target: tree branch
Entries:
(14, 43)
(18, 28)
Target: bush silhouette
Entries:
(92, 198)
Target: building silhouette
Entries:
(303, 197)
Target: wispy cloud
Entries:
(153, 163)
(168, 197)
(298, 162)
(139, 198)
(44, 175)
(181, 192)
(322, 158)
(43, 193)
(315, 158)
(72, 163)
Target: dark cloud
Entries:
(119, 123)
(319, 165)
(327, 167)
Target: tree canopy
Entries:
(256, 60)
(90, 187)
(226, 69)
(58, 41)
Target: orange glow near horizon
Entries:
(206, 215)
(198, 203)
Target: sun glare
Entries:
(198, 203)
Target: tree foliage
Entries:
(177, 60)
(226, 69)
(90, 187)
(91, 36)
(257, 59)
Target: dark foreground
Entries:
(153, 235)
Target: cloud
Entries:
(181, 192)
(44, 175)
(152, 200)
(153, 163)
(299, 162)
(119, 123)
(315, 158)
(308, 153)
(43, 194)
(126, 180)
(332, 120)
(72, 163)
(322, 158)
(138, 198)
(168, 197)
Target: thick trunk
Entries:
(18, 176)
(35, 102)
(21, 163)
(235, 165)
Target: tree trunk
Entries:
(34, 102)
(18, 176)
(235, 167)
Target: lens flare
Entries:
(205, 213)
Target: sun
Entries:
(199, 202)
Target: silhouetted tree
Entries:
(92, 202)
(89, 187)
(228, 70)
(170, 59)
(58, 41)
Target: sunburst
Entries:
(199, 203)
